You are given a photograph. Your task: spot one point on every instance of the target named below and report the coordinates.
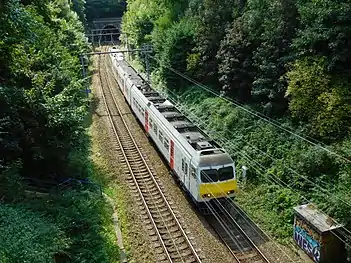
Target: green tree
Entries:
(174, 52)
(212, 18)
(43, 103)
(236, 63)
(325, 30)
(273, 27)
(318, 99)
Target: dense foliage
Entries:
(43, 140)
(71, 226)
(254, 52)
(103, 8)
(42, 94)
(39, 238)
(285, 58)
(283, 171)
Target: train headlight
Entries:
(206, 195)
(230, 192)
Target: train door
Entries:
(171, 157)
(125, 87)
(129, 92)
(185, 172)
(193, 184)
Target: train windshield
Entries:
(226, 173)
(209, 176)
(214, 175)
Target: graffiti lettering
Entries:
(300, 223)
(307, 243)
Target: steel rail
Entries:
(265, 259)
(247, 239)
(130, 169)
(197, 259)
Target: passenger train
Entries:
(204, 170)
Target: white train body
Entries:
(204, 170)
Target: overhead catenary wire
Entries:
(276, 178)
(230, 217)
(263, 235)
(149, 191)
(211, 91)
(303, 177)
(256, 114)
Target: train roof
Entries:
(214, 158)
(194, 136)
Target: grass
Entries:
(106, 178)
(74, 224)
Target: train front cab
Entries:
(216, 182)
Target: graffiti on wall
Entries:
(307, 239)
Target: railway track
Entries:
(235, 238)
(172, 243)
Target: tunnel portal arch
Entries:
(110, 33)
(106, 30)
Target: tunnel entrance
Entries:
(109, 34)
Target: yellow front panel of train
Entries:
(217, 190)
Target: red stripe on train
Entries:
(146, 121)
(171, 162)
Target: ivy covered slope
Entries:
(42, 138)
(287, 59)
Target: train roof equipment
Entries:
(193, 135)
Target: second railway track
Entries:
(168, 232)
(241, 246)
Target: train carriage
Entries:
(203, 169)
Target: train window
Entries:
(151, 123)
(166, 144)
(160, 136)
(182, 164)
(209, 176)
(226, 173)
(186, 169)
(155, 129)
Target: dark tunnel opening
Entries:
(109, 34)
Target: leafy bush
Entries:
(28, 236)
(73, 224)
(271, 206)
(81, 216)
(318, 99)
(42, 136)
(174, 52)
